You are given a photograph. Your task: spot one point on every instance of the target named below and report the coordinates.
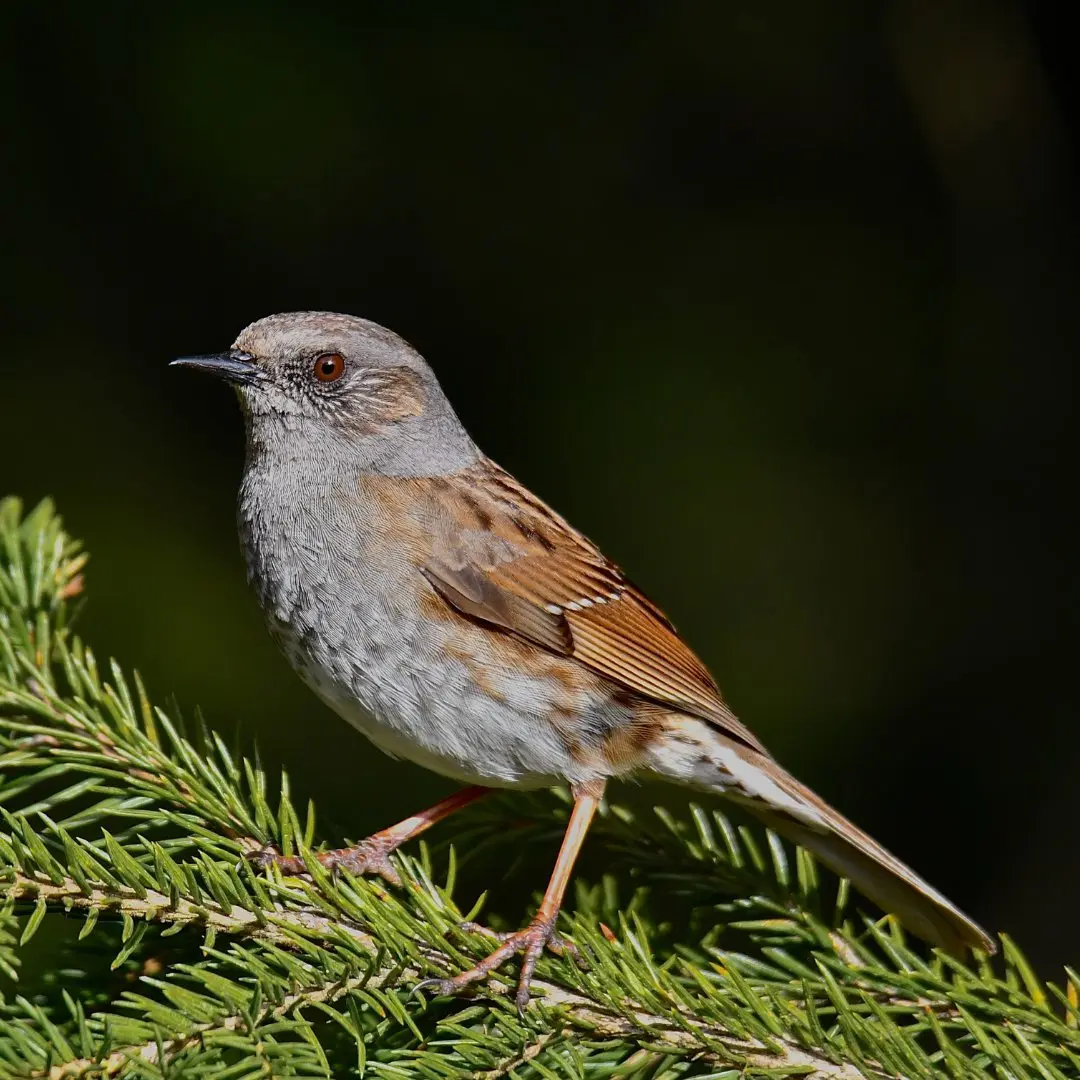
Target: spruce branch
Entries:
(726, 958)
(282, 929)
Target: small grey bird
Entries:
(448, 613)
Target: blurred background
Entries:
(776, 302)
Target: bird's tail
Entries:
(772, 794)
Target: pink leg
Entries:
(534, 937)
(370, 856)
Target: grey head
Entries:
(320, 384)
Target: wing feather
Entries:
(527, 571)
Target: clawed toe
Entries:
(530, 942)
(559, 944)
(368, 857)
(265, 857)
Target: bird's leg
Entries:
(371, 856)
(533, 938)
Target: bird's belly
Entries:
(504, 765)
(438, 720)
(369, 635)
(395, 681)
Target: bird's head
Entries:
(338, 383)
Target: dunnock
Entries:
(443, 609)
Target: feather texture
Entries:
(535, 576)
(524, 569)
(874, 871)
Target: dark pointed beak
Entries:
(233, 367)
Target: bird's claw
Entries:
(558, 943)
(371, 856)
(531, 942)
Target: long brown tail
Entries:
(803, 817)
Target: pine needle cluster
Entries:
(704, 948)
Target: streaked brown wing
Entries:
(528, 572)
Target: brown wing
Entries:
(509, 560)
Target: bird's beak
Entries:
(233, 367)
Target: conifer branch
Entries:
(577, 1010)
(727, 956)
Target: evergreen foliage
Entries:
(705, 949)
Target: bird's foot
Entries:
(556, 943)
(530, 942)
(370, 856)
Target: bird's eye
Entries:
(329, 367)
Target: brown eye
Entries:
(329, 367)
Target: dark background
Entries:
(778, 305)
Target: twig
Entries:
(577, 1009)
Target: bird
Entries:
(440, 607)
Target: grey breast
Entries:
(343, 605)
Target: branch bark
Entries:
(578, 1010)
